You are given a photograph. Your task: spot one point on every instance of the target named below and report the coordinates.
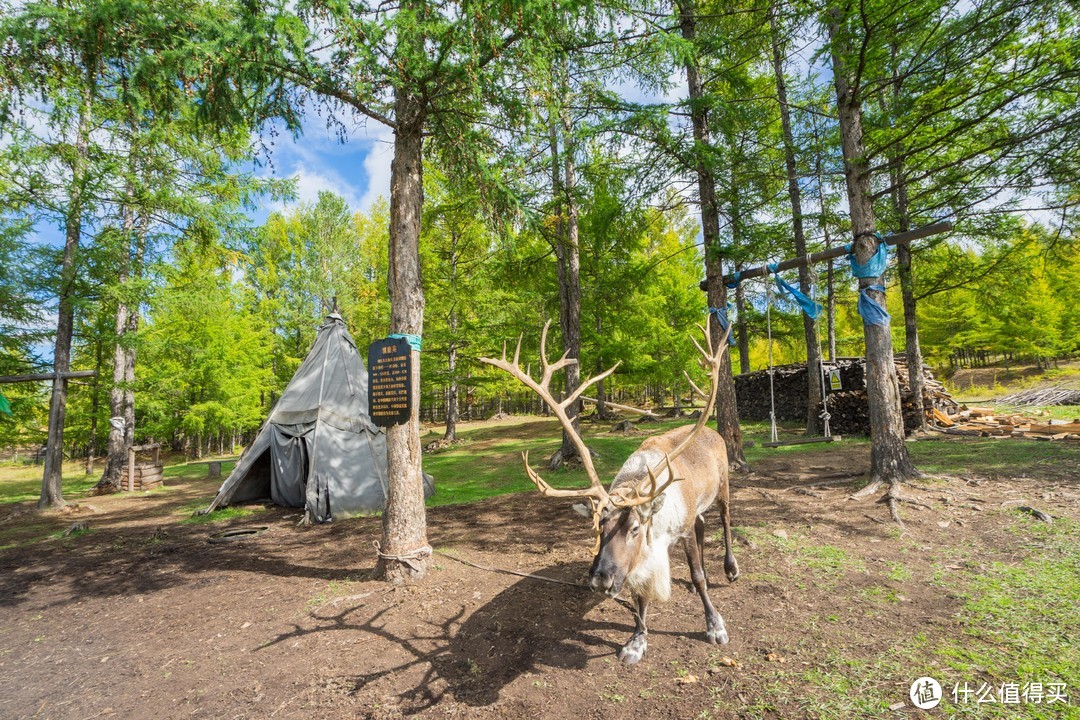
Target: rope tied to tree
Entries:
(419, 553)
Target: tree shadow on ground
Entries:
(473, 654)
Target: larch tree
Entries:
(890, 461)
(428, 71)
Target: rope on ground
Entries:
(418, 554)
(511, 572)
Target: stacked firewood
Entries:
(847, 405)
(990, 422)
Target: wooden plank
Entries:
(1072, 427)
(895, 239)
(943, 419)
(802, 441)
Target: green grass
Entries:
(1020, 621)
(232, 512)
(490, 463)
(197, 469)
(1018, 624)
(22, 483)
(989, 456)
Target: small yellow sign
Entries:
(834, 380)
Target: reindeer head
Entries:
(623, 517)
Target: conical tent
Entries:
(318, 449)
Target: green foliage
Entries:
(206, 355)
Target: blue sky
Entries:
(358, 169)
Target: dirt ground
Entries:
(143, 617)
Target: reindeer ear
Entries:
(647, 510)
(583, 510)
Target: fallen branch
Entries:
(1037, 514)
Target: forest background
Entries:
(106, 134)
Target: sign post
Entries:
(389, 378)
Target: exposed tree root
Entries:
(867, 491)
(892, 499)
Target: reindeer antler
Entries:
(709, 361)
(596, 491)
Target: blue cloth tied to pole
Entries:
(872, 312)
(736, 278)
(874, 267)
(811, 308)
(721, 315)
(413, 340)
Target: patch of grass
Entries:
(333, 589)
(197, 469)
(1019, 625)
(992, 457)
(22, 483)
(898, 572)
(490, 463)
(232, 512)
(1020, 622)
(877, 593)
(828, 564)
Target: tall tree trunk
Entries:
(95, 403)
(569, 259)
(889, 459)
(727, 412)
(451, 359)
(601, 389)
(116, 458)
(404, 551)
(912, 349)
(813, 357)
(902, 208)
(742, 327)
(52, 480)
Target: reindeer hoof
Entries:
(717, 634)
(634, 650)
(731, 569)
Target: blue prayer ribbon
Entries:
(872, 312)
(811, 308)
(722, 318)
(736, 277)
(874, 267)
(413, 340)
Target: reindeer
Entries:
(656, 499)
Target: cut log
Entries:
(1052, 428)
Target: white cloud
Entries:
(357, 170)
(377, 167)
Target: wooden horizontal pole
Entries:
(813, 258)
(47, 376)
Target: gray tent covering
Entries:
(318, 449)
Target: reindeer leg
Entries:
(731, 568)
(714, 624)
(634, 649)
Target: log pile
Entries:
(848, 408)
(988, 422)
(1057, 395)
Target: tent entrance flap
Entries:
(289, 463)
